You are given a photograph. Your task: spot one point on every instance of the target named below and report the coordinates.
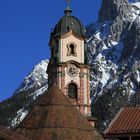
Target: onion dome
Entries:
(68, 23)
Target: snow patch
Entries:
(138, 76)
(21, 114)
(137, 4)
(36, 78)
(39, 92)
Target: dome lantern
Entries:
(68, 11)
(68, 23)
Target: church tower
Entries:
(68, 67)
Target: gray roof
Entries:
(67, 23)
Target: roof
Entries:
(68, 23)
(7, 134)
(56, 118)
(127, 121)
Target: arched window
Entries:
(72, 49)
(72, 52)
(72, 91)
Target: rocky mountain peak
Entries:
(132, 41)
(113, 52)
(36, 79)
(111, 8)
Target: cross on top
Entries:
(68, 3)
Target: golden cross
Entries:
(68, 3)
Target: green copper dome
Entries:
(67, 23)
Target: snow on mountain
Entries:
(39, 92)
(36, 79)
(113, 48)
(34, 85)
(135, 9)
(137, 4)
(113, 52)
(15, 109)
(105, 50)
(23, 112)
(104, 55)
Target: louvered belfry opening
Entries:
(72, 91)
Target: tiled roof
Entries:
(127, 121)
(7, 134)
(55, 117)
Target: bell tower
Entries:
(68, 67)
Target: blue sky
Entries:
(25, 27)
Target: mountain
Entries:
(14, 109)
(36, 79)
(113, 47)
(113, 50)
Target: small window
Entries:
(68, 28)
(72, 91)
(72, 49)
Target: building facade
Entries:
(68, 67)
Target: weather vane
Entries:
(68, 3)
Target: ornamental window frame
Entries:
(71, 51)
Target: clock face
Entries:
(72, 70)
